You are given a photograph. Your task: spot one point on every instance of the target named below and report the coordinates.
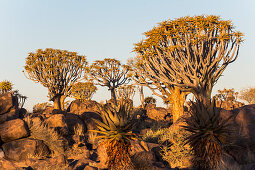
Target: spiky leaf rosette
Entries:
(115, 132)
(209, 134)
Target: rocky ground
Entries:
(54, 139)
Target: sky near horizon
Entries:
(108, 28)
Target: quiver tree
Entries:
(109, 73)
(57, 70)
(227, 99)
(83, 91)
(169, 93)
(126, 92)
(248, 95)
(190, 52)
(5, 86)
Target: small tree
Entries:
(227, 99)
(125, 92)
(149, 100)
(110, 73)
(5, 86)
(57, 70)
(83, 91)
(226, 95)
(248, 95)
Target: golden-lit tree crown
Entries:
(55, 69)
(5, 86)
(110, 73)
(83, 90)
(178, 32)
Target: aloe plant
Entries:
(115, 132)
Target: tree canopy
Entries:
(57, 70)
(110, 73)
(190, 52)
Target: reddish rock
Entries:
(78, 107)
(7, 101)
(242, 126)
(157, 113)
(24, 148)
(73, 121)
(58, 122)
(12, 114)
(12, 130)
(88, 117)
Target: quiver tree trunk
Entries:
(141, 96)
(177, 100)
(57, 102)
(113, 95)
(204, 96)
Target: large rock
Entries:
(7, 101)
(88, 118)
(242, 125)
(78, 107)
(12, 114)
(12, 130)
(24, 148)
(73, 121)
(157, 113)
(58, 122)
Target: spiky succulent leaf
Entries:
(208, 134)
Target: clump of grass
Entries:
(79, 130)
(174, 150)
(49, 136)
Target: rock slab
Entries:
(13, 129)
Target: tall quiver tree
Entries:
(190, 53)
(168, 92)
(109, 73)
(57, 70)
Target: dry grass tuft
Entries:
(49, 136)
(174, 151)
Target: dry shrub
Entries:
(79, 130)
(174, 150)
(177, 153)
(49, 136)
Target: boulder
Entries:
(13, 129)
(72, 121)
(242, 125)
(7, 101)
(157, 113)
(12, 114)
(88, 117)
(144, 159)
(78, 107)
(25, 148)
(58, 122)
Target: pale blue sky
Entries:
(108, 28)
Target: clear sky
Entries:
(108, 28)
